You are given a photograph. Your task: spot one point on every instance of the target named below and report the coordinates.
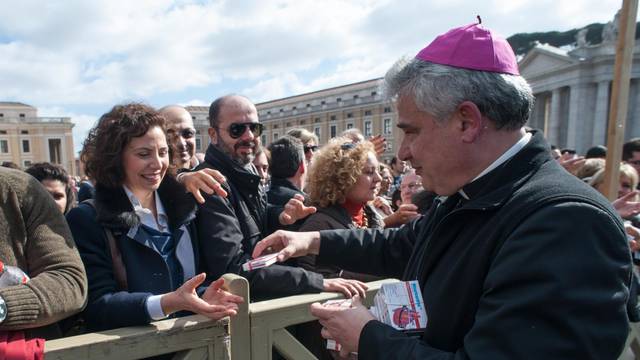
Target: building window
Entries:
(3, 132)
(275, 136)
(387, 109)
(55, 151)
(349, 126)
(288, 124)
(193, 118)
(389, 145)
(367, 113)
(1, 115)
(333, 130)
(367, 128)
(281, 110)
(24, 131)
(349, 115)
(386, 125)
(198, 144)
(316, 120)
(26, 163)
(4, 146)
(373, 93)
(269, 112)
(275, 126)
(333, 117)
(316, 130)
(339, 99)
(322, 102)
(355, 96)
(263, 139)
(294, 108)
(302, 122)
(308, 105)
(26, 146)
(22, 116)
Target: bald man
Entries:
(182, 136)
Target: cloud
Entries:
(77, 54)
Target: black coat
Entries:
(336, 217)
(281, 191)
(147, 273)
(534, 266)
(230, 227)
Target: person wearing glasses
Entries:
(309, 142)
(229, 227)
(182, 136)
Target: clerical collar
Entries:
(512, 151)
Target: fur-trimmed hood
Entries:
(114, 210)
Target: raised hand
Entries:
(295, 210)
(627, 206)
(186, 298)
(288, 244)
(207, 180)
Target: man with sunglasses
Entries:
(229, 227)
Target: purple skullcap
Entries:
(472, 47)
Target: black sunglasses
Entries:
(312, 148)
(237, 129)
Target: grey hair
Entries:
(437, 89)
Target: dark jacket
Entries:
(336, 217)
(147, 273)
(281, 191)
(230, 227)
(534, 266)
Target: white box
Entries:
(260, 262)
(401, 306)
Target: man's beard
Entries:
(242, 159)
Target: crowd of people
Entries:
(516, 253)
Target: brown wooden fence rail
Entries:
(250, 335)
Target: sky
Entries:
(78, 58)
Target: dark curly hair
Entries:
(102, 150)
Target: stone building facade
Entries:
(26, 138)
(573, 93)
(327, 113)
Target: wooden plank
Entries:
(158, 338)
(289, 347)
(620, 96)
(240, 328)
(283, 312)
(201, 353)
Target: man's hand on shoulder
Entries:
(207, 180)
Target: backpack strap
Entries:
(119, 270)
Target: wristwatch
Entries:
(3, 310)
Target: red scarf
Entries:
(356, 211)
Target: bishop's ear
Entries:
(469, 121)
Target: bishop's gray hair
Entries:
(437, 89)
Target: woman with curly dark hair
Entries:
(137, 238)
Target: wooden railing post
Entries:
(240, 327)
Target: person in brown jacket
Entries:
(35, 238)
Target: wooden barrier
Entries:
(190, 337)
(264, 324)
